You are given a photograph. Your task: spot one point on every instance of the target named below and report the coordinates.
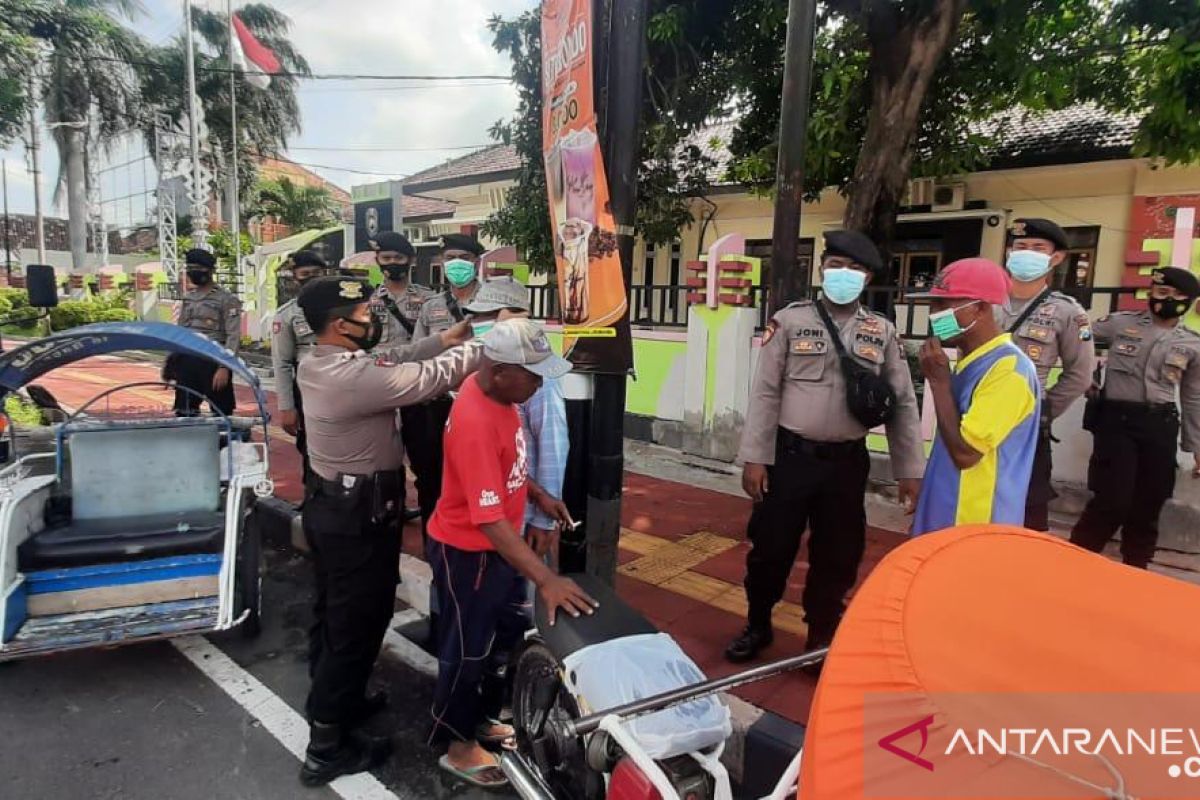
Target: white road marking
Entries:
(411, 654)
(277, 717)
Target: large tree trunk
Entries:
(77, 199)
(905, 54)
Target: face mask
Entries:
(481, 328)
(945, 323)
(396, 272)
(1028, 265)
(371, 338)
(200, 277)
(1169, 309)
(843, 286)
(459, 272)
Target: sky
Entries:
(360, 125)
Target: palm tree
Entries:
(295, 205)
(18, 56)
(90, 93)
(266, 117)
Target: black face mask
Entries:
(371, 338)
(397, 272)
(200, 277)
(1169, 309)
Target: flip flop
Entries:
(505, 741)
(473, 775)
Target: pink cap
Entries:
(971, 279)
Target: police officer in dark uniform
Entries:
(351, 504)
(804, 449)
(212, 311)
(1134, 420)
(291, 340)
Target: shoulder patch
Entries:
(772, 326)
(1085, 326)
(276, 326)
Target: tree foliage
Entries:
(18, 56)
(298, 206)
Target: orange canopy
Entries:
(982, 611)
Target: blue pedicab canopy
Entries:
(31, 361)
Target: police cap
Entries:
(1181, 279)
(390, 241)
(200, 258)
(855, 246)
(462, 241)
(1038, 228)
(321, 296)
(307, 258)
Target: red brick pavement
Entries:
(654, 507)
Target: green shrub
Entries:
(106, 308)
(21, 412)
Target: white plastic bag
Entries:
(622, 670)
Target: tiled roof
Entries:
(418, 205)
(275, 168)
(498, 158)
(1071, 135)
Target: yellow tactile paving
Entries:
(668, 565)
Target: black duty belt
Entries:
(346, 483)
(829, 451)
(1140, 409)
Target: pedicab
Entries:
(981, 629)
(134, 527)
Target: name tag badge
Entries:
(1039, 333)
(1125, 349)
(807, 347)
(868, 351)
(301, 327)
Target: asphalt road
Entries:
(144, 721)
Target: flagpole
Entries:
(235, 151)
(199, 195)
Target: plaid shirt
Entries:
(544, 418)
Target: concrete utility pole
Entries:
(36, 171)
(199, 189)
(626, 58)
(793, 135)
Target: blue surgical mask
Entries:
(843, 286)
(945, 325)
(459, 272)
(1028, 265)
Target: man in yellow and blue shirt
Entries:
(987, 406)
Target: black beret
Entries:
(462, 241)
(200, 258)
(324, 294)
(390, 241)
(855, 246)
(1181, 279)
(307, 258)
(1037, 228)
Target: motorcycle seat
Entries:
(613, 619)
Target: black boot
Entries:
(746, 647)
(331, 753)
(371, 705)
(819, 636)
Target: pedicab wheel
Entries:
(540, 704)
(249, 576)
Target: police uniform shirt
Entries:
(799, 385)
(350, 402)
(1147, 364)
(437, 315)
(215, 313)
(1058, 329)
(291, 340)
(408, 304)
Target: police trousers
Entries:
(195, 373)
(355, 545)
(421, 429)
(819, 486)
(1131, 475)
(484, 615)
(1037, 501)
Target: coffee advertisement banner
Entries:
(591, 287)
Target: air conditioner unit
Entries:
(949, 197)
(920, 192)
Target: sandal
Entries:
(485, 776)
(504, 741)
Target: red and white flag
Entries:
(252, 56)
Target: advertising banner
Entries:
(591, 287)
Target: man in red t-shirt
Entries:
(478, 557)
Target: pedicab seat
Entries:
(612, 619)
(137, 491)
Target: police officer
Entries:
(210, 310)
(400, 298)
(804, 451)
(459, 255)
(1050, 327)
(291, 340)
(351, 508)
(1136, 424)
